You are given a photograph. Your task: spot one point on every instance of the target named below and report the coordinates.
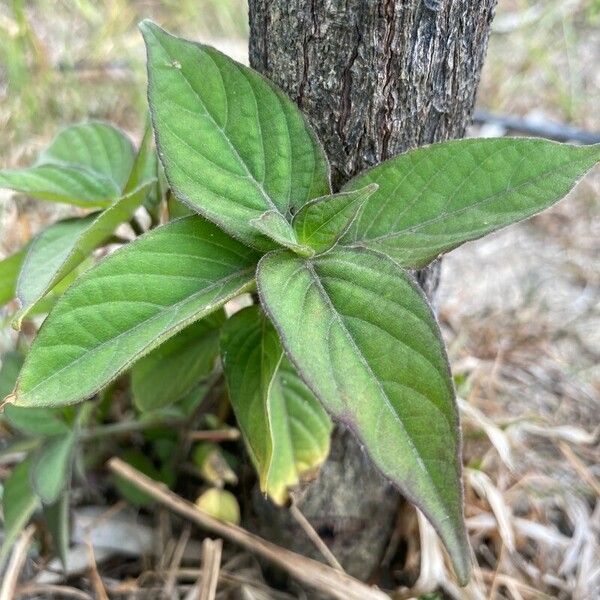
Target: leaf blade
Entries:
(433, 199)
(51, 467)
(320, 223)
(9, 274)
(63, 246)
(99, 148)
(285, 429)
(176, 367)
(96, 331)
(257, 153)
(19, 503)
(364, 339)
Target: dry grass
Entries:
(520, 310)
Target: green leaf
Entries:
(97, 147)
(130, 303)
(57, 521)
(62, 247)
(51, 468)
(9, 273)
(19, 502)
(320, 223)
(144, 169)
(364, 339)
(10, 365)
(35, 421)
(86, 165)
(276, 227)
(433, 199)
(285, 429)
(233, 146)
(176, 367)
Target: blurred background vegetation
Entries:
(62, 61)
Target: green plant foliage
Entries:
(284, 427)
(433, 199)
(362, 336)
(360, 339)
(322, 222)
(62, 247)
(10, 365)
(129, 304)
(57, 521)
(86, 165)
(19, 502)
(232, 145)
(276, 227)
(43, 422)
(175, 368)
(9, 273)
(51, 467)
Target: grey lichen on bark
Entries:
(375, 78)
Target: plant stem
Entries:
(124, 428)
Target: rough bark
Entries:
(375, 78)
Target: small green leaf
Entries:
(98, 147)
(433, 199)
(10, 365)
(51, 468)
(9, 274)
(320, 223)
(62, 247)
(285, 429)
(144, 169)
(130, 303)
(35, 421)
(19, 502)
(233, 146)
(86, 165)
(176, 367)
(57, 521)
(276, 227)
(362, 336)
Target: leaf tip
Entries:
(149, 28)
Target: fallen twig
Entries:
(17, 560)
(211, 565)
(320, 545)
(307, 570)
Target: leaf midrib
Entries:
(441, 217)
(260, 188)
(325, 296)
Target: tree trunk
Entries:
(375, 78)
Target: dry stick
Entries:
(215, 435)
(211, 565)
(63, 591)
(314, 537)
(95, 579)
(17, 560)
(169, 588)
(307, 570)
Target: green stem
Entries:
(124, 428)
